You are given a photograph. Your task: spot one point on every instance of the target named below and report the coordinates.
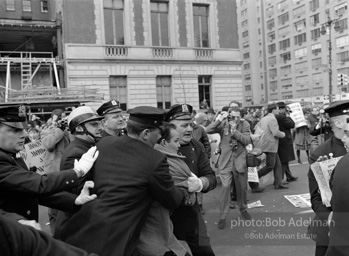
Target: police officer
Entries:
(22, 190)
(113, 122)
(129, 175)
(338, 112)
(187, 220)
(85, 124)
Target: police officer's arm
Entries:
(244, 136)
(17, 239)
(162, 188)
(11, 215)
(206, 174)
(50, 137)
(316, 202)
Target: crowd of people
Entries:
(134, 186)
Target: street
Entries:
(277, 229)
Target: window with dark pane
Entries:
(200, 14)
(114, 22)
(159, 23)
(205, 89)
(118, 90)
(163, 91)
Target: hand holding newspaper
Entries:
(322, 172)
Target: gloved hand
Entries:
(223, 115)
(194, 183)
(85, 196)
(85, 163)
(30, 223)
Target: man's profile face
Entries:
(153, 137)
(11, 139)
(184, 129)
(94, 127)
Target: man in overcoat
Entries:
(187, 221)
(128, 177)
(285, 149)
(338, 112)
(21, 190)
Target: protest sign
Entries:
(33, 155)
(297, 114)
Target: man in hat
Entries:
(22, 190)
(285, 149)
(187, 221)
(128, 177)
(338, 117)
(113, 122)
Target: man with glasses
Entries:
(235, 136)
(187, 221)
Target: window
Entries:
(44, 6)
(341, 8)
(283, 18)
(282, 5)
(205, 89)
(301, 80)
(274, 96)
(273, 73)
(284, 44)
(317, 77)
(114, 22)
(27, 6)
(118, 90)
(245, 33)
(299, 11)
(314, 4)
(286, 83)
(246, 55)
(286, 70)
(317, 91)
(248, 87)
(271, 48)
(299, 25)
(343, 56)
(315, 33)
(284, 31)
(294, 2)
(159, 23)
(10, 5)
(287, 95)
(285, 56)
(200, 13)
(270, 11)
(302, 38)
(342, 41)
(273, 85)
(244, 23)
(301, 66)
(316, 48)
(315, 19)
(245, 45)
(272, 60)
(247, 77)
(270, 24)
(163, 92)
(316, 63)
(301, 53)
(303, 93)
(243, 13)
(343, 24)
(271, 36)
(247, 66)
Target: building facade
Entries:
(285, 48)
(157, 53)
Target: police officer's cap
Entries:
(13, 116)
(109, 107)
(179, 112)
(338, 108)
(147, 115)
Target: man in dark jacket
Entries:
(113, 122)
(128, 177)
(22, 190)
(338, 113)
(285, 149)
(187, 221)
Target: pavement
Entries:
(278, 228)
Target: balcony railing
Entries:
(116, 51)
(203, 53)
(162, 52)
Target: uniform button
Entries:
(193, 149)
(28, 212)
(72, 181)
(192, 161)
(67, 182)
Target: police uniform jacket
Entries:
(128, 175)
(120, 132)
(320, 232)
(285, 149)
(21, 190)
(18, 239)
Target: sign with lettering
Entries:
(33, 155)
(297, 114)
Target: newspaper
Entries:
(252, 174)
(299, 201)
(322, 172)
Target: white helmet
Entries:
(81, 115)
